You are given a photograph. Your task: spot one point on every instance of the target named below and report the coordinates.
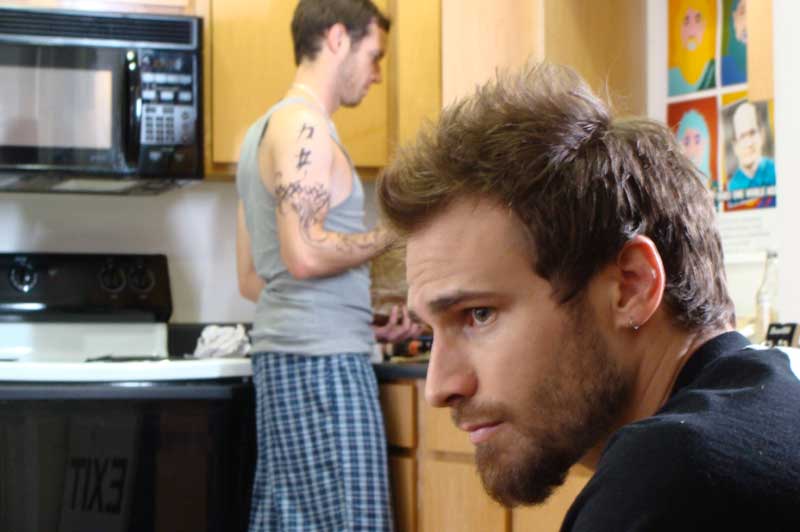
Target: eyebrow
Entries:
(443, 303)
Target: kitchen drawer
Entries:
(440, 434)
(403, 475)
(398, 402)
(453, 500)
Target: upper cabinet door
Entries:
(181, 7)
(252, 67)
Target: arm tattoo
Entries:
(366, 241)
(309, 202)
(307, 130)
(303, 158)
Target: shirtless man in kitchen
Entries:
(302, 251)
(570, 266)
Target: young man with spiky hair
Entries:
(570, 267)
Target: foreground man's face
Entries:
(529, 380)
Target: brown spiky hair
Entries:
(581, 182)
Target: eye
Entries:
(481, 315)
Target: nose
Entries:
(451, 377)
(376, 74)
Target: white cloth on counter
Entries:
(216, 341)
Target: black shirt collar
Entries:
(718, 346)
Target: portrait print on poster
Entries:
(749, 151)
(692, 45)
(695, 125)
(733, 61)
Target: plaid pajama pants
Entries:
(321, 446)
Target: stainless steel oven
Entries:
(100, 429)
(99, 102)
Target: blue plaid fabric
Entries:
(321, 446)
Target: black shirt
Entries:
(722, 454)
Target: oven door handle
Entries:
(134, 115)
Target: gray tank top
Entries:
(320, 316)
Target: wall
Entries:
(787, 159)
(743, 277)
(195, 227)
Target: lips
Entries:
(480, 432)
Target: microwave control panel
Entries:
(169, 118)
(168, 94)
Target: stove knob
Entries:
(112, 278)
(23, 277)
(141, 279)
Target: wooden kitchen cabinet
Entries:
(603, 41)
(403, 476)
(453, 499)
(438, 50)
(171, 7)
(398, 404)
(251, 67)
(248, 64)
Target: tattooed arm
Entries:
(306, 183)
(250, 283)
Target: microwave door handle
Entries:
(134, 118)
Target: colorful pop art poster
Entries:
(707, 73)
(748, 153)
(695, 125)
(692, 46)
(748, 221)
(733, 60)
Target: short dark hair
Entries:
(581, 182)
(313, 17)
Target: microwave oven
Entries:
(94, 102)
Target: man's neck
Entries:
(317, 86)
(662, 354)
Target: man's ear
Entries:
(337, 39)
(641, 280)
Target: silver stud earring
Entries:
(632, 325)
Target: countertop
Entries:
(388, 371)
(183, 339)
(90, 391)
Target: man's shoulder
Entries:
(714, 446)
(294, 120)
(673, 437)
(678, 471)
(294, 128)
(646, 480)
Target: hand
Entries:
(399, 327)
